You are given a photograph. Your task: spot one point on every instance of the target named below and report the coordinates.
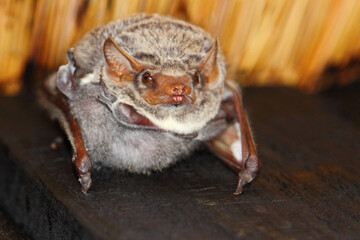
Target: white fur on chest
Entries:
(173, 125)
(88, 78)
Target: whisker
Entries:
(190, 98)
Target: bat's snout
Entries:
(171, 90)
(178, 92)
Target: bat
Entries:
(142, 92)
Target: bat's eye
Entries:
(147, 78)
(196, 79)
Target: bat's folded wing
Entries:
(235, 146)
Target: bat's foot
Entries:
(251, 168)
(82, 165)
(244, 178)
(85, 181)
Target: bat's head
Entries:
(171, 94)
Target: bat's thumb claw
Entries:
(240, 187)
(85, 181)
(248, 173)
(245, 177)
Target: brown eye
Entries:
(147, 78)
(196, 78)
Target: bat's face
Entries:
(157, 87)
(170, 96)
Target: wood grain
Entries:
(308, 188)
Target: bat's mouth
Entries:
(176, 99)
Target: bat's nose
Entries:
(179, 89)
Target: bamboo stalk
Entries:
(266, 42)
(14, 34)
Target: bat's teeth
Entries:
(178, 98)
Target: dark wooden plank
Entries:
(344, 102)
(8, 230)
(308, 188)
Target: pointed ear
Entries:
(118, 60)
(65, 76)
(208, 66)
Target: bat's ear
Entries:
(65, 76)
(118, 60)
(208, 66)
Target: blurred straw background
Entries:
(300, 43)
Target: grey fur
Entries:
(165, 38)
(137, 150)
(162, 43)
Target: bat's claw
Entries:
(249, 172)
(242, 181)
(82, 165)
(240, 187)
(85, 181)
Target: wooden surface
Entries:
(8, 230)
(309, 186)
